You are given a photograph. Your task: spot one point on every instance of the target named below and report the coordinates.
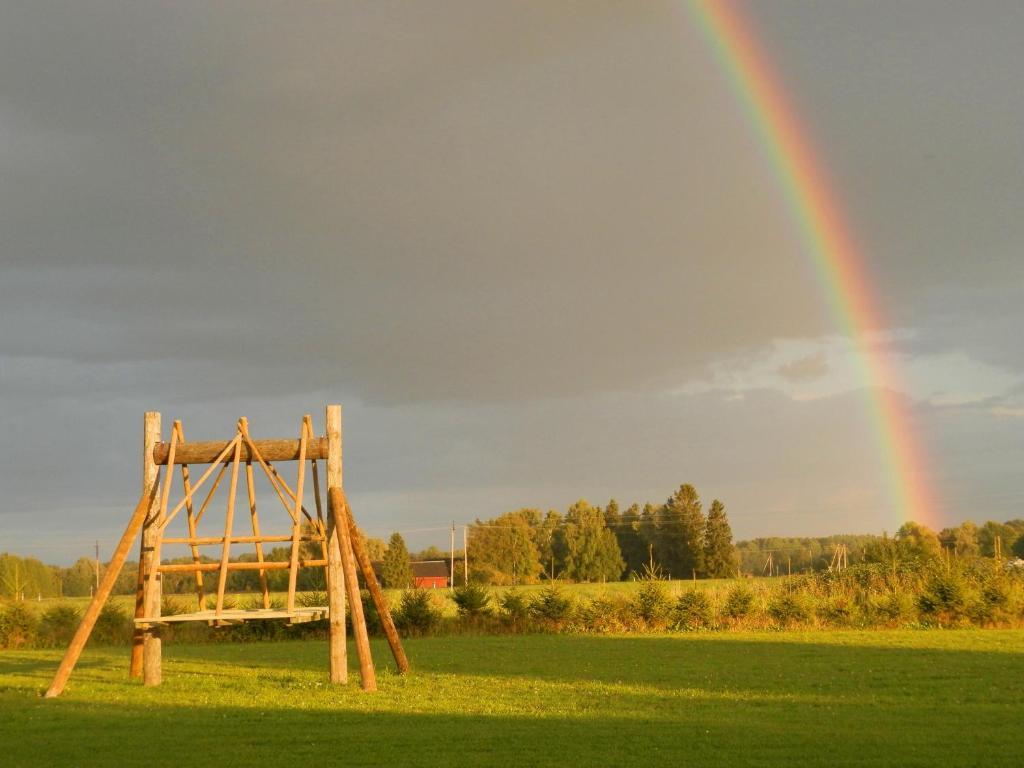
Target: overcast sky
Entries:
(532, 247)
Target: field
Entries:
(785, 698)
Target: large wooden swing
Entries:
(340, 543)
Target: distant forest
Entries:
(676, 539)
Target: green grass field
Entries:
(819, 698)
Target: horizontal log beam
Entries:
(207, 540)
(271, 450)
(275, 565)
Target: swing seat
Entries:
(240, 615)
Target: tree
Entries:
(631, 542)
(545, 538)
(396, 573)
(719, 554)
(990, 532)
(376, 549)
(679, 546)
(591, 550)
(917, 541)
(504, 550)
(80, 578)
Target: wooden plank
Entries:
(366, 567)
(269, 565)
(299, 615)
(207, 452)
(92, 613)
(204, 541)
(150, 474)
(228, 521)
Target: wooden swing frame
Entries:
(341, 546)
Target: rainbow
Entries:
(828, 242)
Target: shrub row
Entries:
(935, 595)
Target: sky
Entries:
(535, 250)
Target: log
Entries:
(271, 450)
(379, 600)
(336, 648)
(78, 642)
(244, 565)
(341, 536)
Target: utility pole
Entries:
(451, 578)
(97, 564)
(465, 554)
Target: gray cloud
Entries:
(497, 232)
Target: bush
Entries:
(944, 596)
(693, 610)
(514, 607)
(472, 600)
(653, 604)
(739, 602)
(551, 605)
(790, 608)
(416, 613)
(57, 625)
(606, 613)
(113, 626)
(17, 626)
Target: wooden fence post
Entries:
(151, 642)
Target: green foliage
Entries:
(590, 551)
(790, 608)
(944, 595)
(472, 600)
(739, 602)
(396, 570)
(113, 626)
(504, 550)
(653, 604)
(693, 610)
(57, 625)
(552, 605)
(719, 553)
(17, 625)
(417, 613)
(514, 606)
(679, 545)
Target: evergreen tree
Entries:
(396, 572)
(591, 550)
(631, 541)
(719, 555)
(679, 545)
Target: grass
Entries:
(908, 698)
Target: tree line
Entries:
(590, 543)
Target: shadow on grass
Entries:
(540, 700)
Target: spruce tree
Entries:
(396, 572)
(719, 555)
(680, 542)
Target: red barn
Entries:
(430, 574)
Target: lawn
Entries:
(798, 698)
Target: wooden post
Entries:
(74, 650)
(465, 556)
(152, 643)
(367, 675)
(147, 573)
(335, 569)
(379, 600)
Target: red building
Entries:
(430, 574)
